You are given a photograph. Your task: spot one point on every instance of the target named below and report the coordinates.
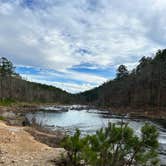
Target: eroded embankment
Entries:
(18, 147)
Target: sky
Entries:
(78, 44)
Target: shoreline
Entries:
(15, 116)
(16, 113)
(146, 112)
(19, 147)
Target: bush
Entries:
(116, 145)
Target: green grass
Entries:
(2, 118)
(11, 102)
(6, 102)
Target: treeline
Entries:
(13, 87)
(143, 86)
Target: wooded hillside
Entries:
(13, 87)
(143, 86)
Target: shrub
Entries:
(115, 145)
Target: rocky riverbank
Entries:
(134, 112)
(19, 148)
(25, 145)
(22, 144)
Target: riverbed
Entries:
(68, 118)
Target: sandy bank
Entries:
(19, 148)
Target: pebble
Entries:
(31, 158)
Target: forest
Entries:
(144, 86)
(14, 88)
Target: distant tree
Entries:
(6, 72)
(160, 55)
(6, 67)
(159, 64)
(144, 86)
(14, 88)
(144, 61)
(122, 72)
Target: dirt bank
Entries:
(19, 148)
(146, 112)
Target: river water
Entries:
(69, 118)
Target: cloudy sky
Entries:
(78, 44)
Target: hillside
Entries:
(144, 86)
(14, 88)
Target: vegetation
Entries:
(115, 145)
(6, 102)
(2, 118)
(6, 68)
(144, 86)
(14, 88)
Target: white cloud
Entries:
(48, 34)
(5, 8)
(67, 86)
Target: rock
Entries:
(2, 162)
(9, 115)
(31, 158)
(26, 122)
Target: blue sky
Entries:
(78, 44)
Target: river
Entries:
(68, 118)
